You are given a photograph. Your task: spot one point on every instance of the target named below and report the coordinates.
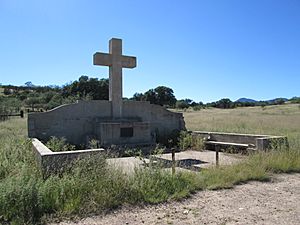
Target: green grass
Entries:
(1, 91)
(189, 141)
(93, 186)
(258, 167)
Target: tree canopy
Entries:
(161, 95)
(35, 97)
(86, 87)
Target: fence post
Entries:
(173, 161)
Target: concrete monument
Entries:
(113, 122)
(116, 61)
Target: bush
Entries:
(94, 144)
(181, 104)
(197, 108)
(169, 140)
(59, 144)
(188, 141)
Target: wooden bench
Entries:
(235, 146)
(239, 142)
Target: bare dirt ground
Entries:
(275, 202)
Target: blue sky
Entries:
(203, 50)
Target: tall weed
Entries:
(93, 186)
(188, 141)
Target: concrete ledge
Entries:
(227, 143)
(257, 142)
(265, 143)
(55, 162)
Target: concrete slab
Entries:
(127, 164)
(205, 158)
(193, 160)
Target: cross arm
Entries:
(102, 59)
(128, 61)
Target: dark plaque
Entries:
(126, 132)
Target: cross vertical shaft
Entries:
(116, 61)
(115, 77)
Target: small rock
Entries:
(186, 212)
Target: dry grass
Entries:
(90, 187)
(25, 197)
(273, 120)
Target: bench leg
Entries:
(217, 148)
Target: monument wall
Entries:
(113, 122)
(84, 120)
(159, 117)
(72, 121)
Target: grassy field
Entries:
(274, 120)
(93, 187)
(90, 187)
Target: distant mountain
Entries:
(245, 100)
(272, 101)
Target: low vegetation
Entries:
(93, 186)
(188, 141)
(40, 98)
(59, 144)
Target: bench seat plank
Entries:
(226, 143)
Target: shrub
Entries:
(59, 144)
(169, 140)
(197, 107)
(188, 141)
(94, 144)
(182, 104)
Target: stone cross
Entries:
(116, 61)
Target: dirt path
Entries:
(276, 202)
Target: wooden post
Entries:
(217, 148)
(173, 161)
